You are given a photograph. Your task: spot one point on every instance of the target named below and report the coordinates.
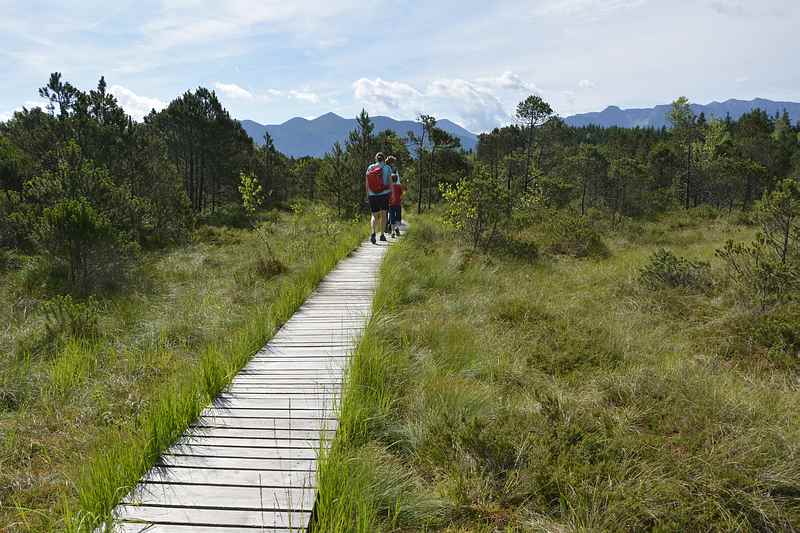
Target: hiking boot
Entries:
(397, 232)
(383, 238)
(372, 239)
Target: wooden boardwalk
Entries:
(249, 462)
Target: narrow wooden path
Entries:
(249, 462)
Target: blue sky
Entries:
(469, 61)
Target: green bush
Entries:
(18, 219)
(65, 317)
(83, 244)
(779, 332)
(477, 207)
(757, 276)
(666, 270)
(231, 215)
(567, 233)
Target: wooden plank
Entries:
(223, 477)
(275, 387)
(131, 527)
(213, 517)
(233, 497)
(257, 433)
(224, 402)
(267, 423)
(267, 414)
(238, 463)
(301, 444)
(260, 452)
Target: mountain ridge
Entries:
(656, 116)
(298, 136)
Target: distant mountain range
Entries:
(657, 116)
(300, 137)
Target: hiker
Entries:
(395, 206)
(392, 162)
(378, 191)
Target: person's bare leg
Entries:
(372, 222)
(383, 221)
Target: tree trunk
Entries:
(688, 174)
(528, 155)
(583, 198)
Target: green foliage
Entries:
(779, 332)
(666, 270)
(476, 207)
(767, 270)
(568, 233)
(66, 317)
(86, 228)
(252, 194)
(779, 216)
(759, 278)
(19, 220)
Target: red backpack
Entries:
(375, 178)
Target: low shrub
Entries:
(567, 233)
(666, 270)
(9, 260)
(779, 332)
(758, 277)
(65, 317)
(232, 215)
(477, 207)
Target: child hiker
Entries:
(395, 206)
(392, 162)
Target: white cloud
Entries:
(588, 8)
(386, 96)
(728, 7)
(586, 84)
(510, 81)
(306, 96)
(29, 104)
(233, 91)
(474, 105)
(199, 21)
(135, 105)
(742, 79)
(743, 8)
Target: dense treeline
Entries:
(87, 187)
(641, 171)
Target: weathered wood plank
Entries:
(267, 423)
(238, 463)
(223, 476)
(130, 527)
(213, 517)
(260, 433)
(254, 497)
(289, 454)
(301, 444)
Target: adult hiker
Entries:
(378, 190)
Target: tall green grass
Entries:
(116, 468)
(496, 394)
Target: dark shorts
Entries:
(395, 214)
(378, 203)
